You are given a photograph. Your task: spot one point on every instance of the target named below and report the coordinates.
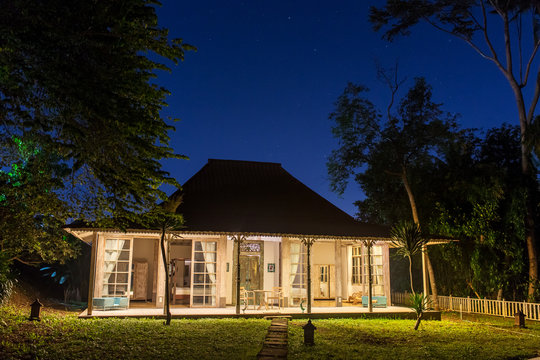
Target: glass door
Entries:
(204, 284)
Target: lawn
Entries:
(474, 337)
(61, 336)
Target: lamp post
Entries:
(309, 333)
(34, 310)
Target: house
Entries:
(271, 212)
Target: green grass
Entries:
(67, 337)
(61, 336)
(451, 338)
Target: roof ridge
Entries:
(244, 161)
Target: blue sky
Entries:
(266, 75)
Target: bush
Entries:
(6, 282)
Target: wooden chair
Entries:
(356, 298)
(246, 296)
(277, 294)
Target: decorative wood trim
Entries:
(155, 271)
(386, 272)
(99, 265)
(91, 282)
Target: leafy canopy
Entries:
(76, 78)
(382, 151)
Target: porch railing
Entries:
(479, 306)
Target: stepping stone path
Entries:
(275, 343)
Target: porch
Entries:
(317, 312)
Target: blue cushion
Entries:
(377, 301)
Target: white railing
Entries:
(479, 306)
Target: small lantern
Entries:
(34, 312)
(519, 319)
(309, 333)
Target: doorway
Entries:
(324, 282)
(180, 272)
(249, 272)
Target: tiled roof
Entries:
(259, 197)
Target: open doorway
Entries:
(180, 261)
(324, 282)
(143, 272)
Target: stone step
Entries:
(275, 345)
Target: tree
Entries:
(76, 78)
(408, 240)
(32, 210)
(419, 303)
(378, 151)
(469, 21)
(165, 218)
(482, 209)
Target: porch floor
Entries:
(292, 312)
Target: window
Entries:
(116, 263)
(298, 274)
(324, 273)
(357, 265)
(204, 273)
(377, 271)
(360, 270)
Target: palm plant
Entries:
(419, 303)
(408, 240)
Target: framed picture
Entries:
(271, 267)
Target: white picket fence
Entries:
(479, 306)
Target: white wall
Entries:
(322, 253)
(229, 281)
(271, 256)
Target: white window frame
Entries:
(204, 274)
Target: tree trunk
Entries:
(531, 247)
(418, 319)
(165, 265)
(524, 122)
(434, 294)
(417, 221)
(410, 273)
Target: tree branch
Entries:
(520, 41)
(534, 100)
(461, 37)
(393, 85)
(29, 263)
(524, 83)
(495, 58)
(392, 173)
(507, 45)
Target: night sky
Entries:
(266, 75)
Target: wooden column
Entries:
(338, 271)
(92, 280)
(369, 244)
(285, 272)
(238, 239)
(160, 279)
(221, 274)
(308, 242)
(424, 272)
